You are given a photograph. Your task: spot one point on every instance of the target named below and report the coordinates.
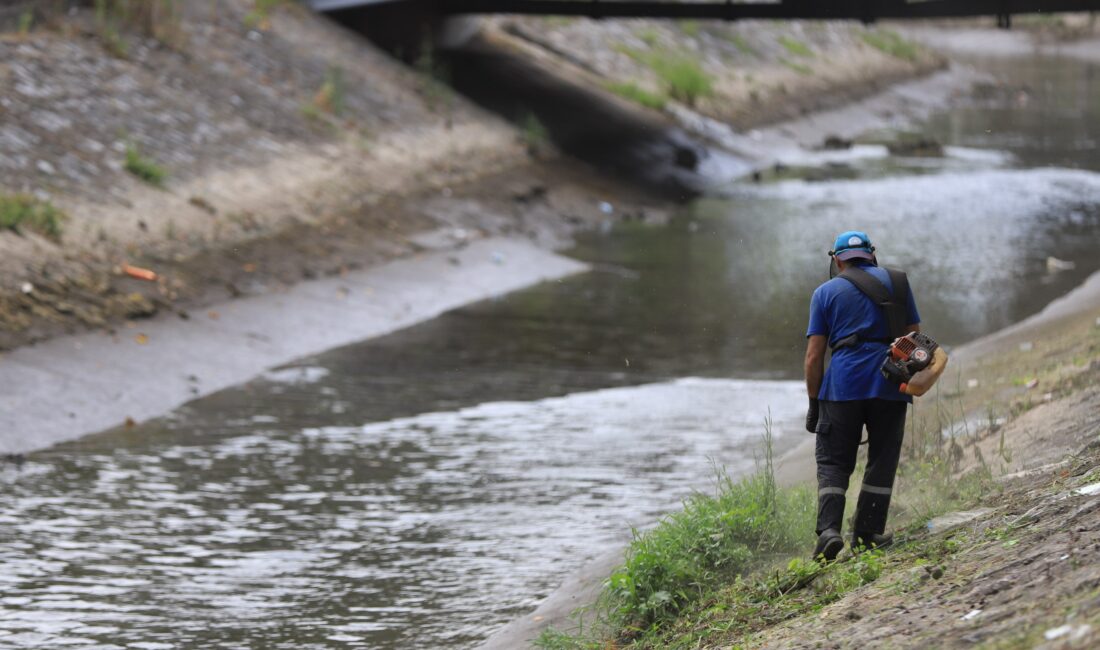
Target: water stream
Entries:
(422, 489)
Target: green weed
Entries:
(800, 68)
(260, 15)
(683, 77)
(742, 44)
(26, 22)
(158, 19)
(22, 211)
(637, 94)
(330, 96)
(892, 43)
(714, 539)
(649, 36)
(796, 47)
(535, 133)
(689, 27)
(144, 168)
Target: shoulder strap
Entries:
(894, 306)
(900, 281)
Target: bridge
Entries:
(863, 10)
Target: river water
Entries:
(422, 489)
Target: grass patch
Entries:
(800, 68)
(683, 78)
(796, 47)
(535, 133)
(144, 168)
(649, 36)
(690, 28)
(19, 212)
(260, 16)
(638, 95)
(158, 19)
(26, 22)
(892, 43)
(742, 44)
(330, 96)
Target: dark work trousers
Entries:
(839, 432)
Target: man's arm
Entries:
(815, 363)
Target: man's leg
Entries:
(885, 429)
(838, 433)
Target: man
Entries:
(853, 393)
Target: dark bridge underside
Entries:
(865, 10)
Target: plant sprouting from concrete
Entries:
(144, 168)
(158, 19)
(637, 94)
(19, 212)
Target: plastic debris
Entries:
(954, 519)
(1055, 632)
(972, 614)
(1074, 632)
(141, 339)
(1032, 384)
(139, 273)
(1088, 490)
(972, 383)
(606, 207)
(1055, 264)
(27, 288)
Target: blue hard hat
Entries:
(853, 244)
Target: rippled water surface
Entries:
(422, 489)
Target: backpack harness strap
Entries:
(895, 310)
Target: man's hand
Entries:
(815, 370)
(812, 415)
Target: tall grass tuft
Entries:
(144, 168)
(22, 211)
(714, 539)
(892, 43)
(637, 94)
(158, 19)
(683, 77)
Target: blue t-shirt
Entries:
(837, 310)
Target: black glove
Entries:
(811, 416)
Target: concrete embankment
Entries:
(155, 138)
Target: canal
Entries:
(422, 489)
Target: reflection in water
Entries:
(371, 497)
(427, 531)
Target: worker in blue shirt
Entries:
(852, 393)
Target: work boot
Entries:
(829, 545)
(868, 541)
